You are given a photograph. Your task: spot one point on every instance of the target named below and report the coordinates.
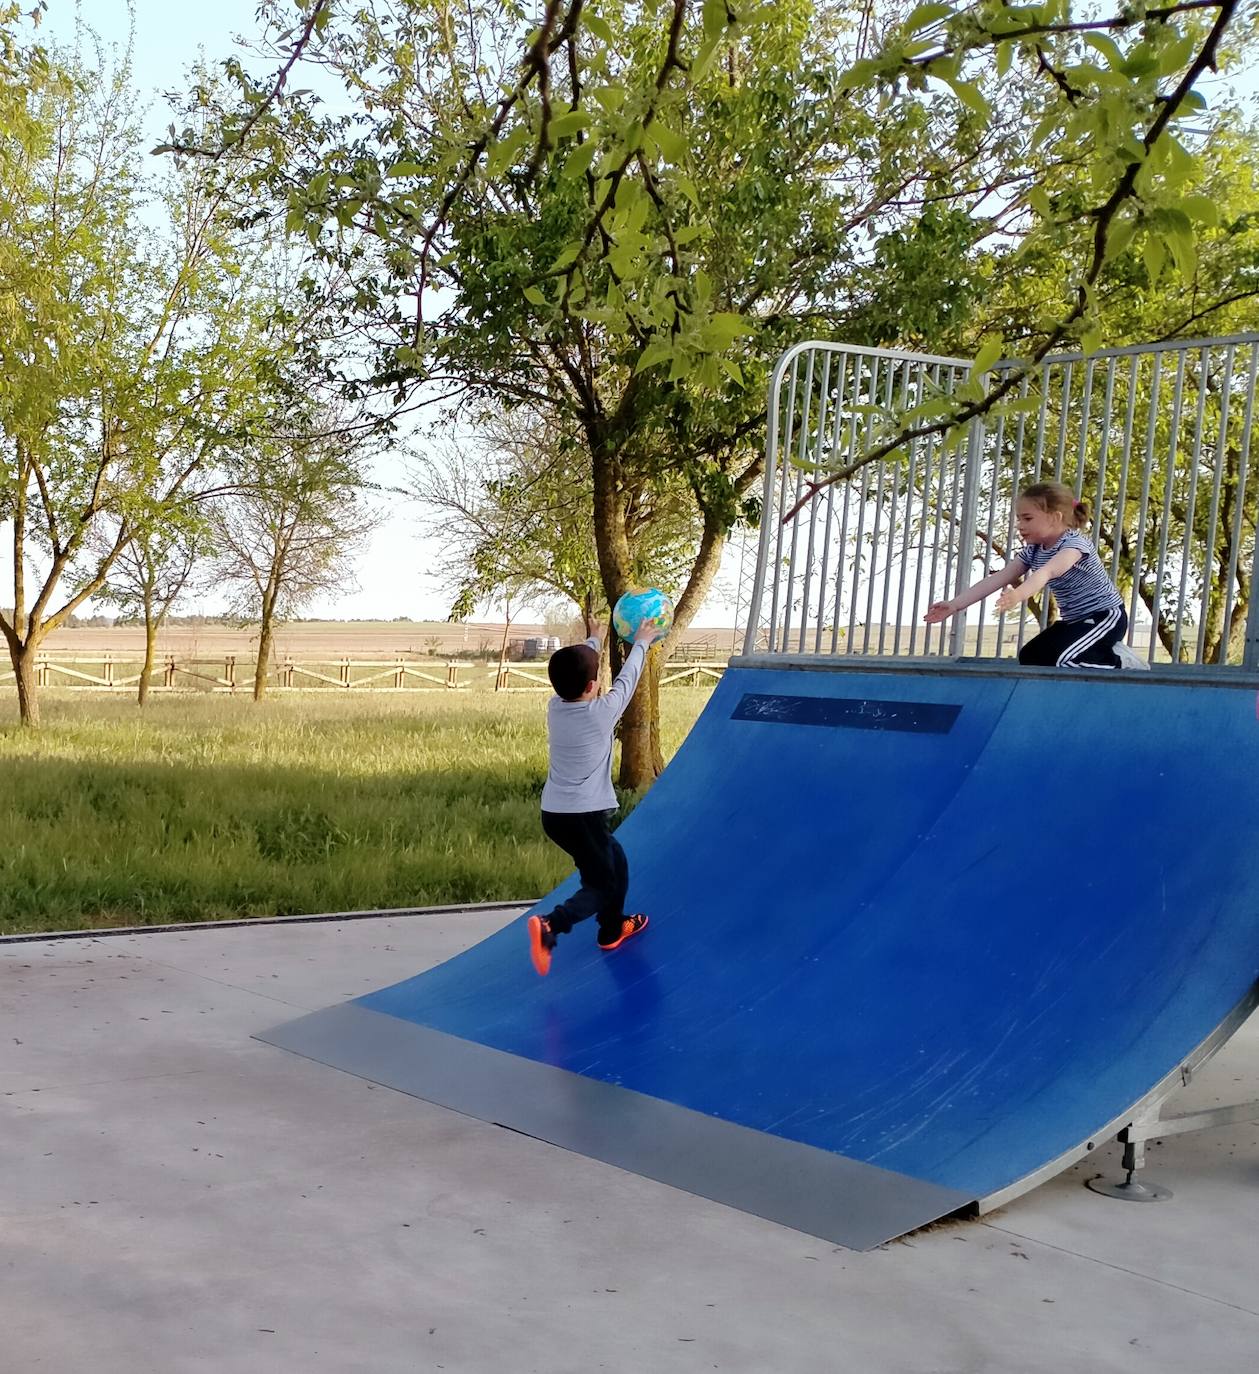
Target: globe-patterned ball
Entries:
(642, 604)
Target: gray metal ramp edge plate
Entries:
(855, 1205)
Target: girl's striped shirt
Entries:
(1082, 590)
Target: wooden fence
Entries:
(116, 673)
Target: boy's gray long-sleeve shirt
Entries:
(579, 734)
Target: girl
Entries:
(1055, 555)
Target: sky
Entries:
(169, 35)
(394, 575)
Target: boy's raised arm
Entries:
(619, 694)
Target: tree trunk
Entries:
(23, 660)
(150, 650)
(264, 653)
(502, 655)
(642, 760)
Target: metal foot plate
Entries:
(1131, 1191)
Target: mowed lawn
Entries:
(211, 807)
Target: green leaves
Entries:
(504, 152)
(565, 125)
(989, 352)
(925, 15)
(656, 352)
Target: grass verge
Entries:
(204, 808)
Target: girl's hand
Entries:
(941, 610)
(1008, 600)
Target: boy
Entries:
(578, 799)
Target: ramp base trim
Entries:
(856, 1205)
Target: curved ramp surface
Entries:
(917, 939)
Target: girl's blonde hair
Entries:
(1055, 496)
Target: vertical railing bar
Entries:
(807, 581)
(833, 446)
(1015, 483)
(888, 383)
(1065, 422)
(874, 556)
(795, 523)
(1041, 420)
(995, 486)
(922, 533)
(771, 640)
(1138, 553)
(1123, 466)
(861, 508)
(1081, 453)
(1242, 466)
(1208, 556)
(891, 529)
(1037, 473)
(1169, 486)
(950, 635)
(1191, 500)
(970, 470)
(907, 539)
(840, 560)
(942, 450)
(1103, 457)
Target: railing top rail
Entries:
(824, 346)
(1132, 350)
(1126, 350)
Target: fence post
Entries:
(168, 674)
(107, 668)
(41, 671)
(286, 673)
(398, 674)
(229, 671)
(452, 675)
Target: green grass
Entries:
(205, 808)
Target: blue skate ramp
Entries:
(918, 938)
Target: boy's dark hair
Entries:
(572, 669)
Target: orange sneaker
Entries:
(630, 927)
(541, 943)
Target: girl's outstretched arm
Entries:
(1030, 585)
(1012, 571)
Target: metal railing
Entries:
(1159, 439)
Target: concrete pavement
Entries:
(176, 1197)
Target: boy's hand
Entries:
(648, 632)
(941, 610)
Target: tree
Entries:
(620, 218)
(626, 229)
(150, 574)
(134, 347)
(511, 505)
(291, 526)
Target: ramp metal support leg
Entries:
(1153, 1127)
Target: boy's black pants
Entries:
(601, 863)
